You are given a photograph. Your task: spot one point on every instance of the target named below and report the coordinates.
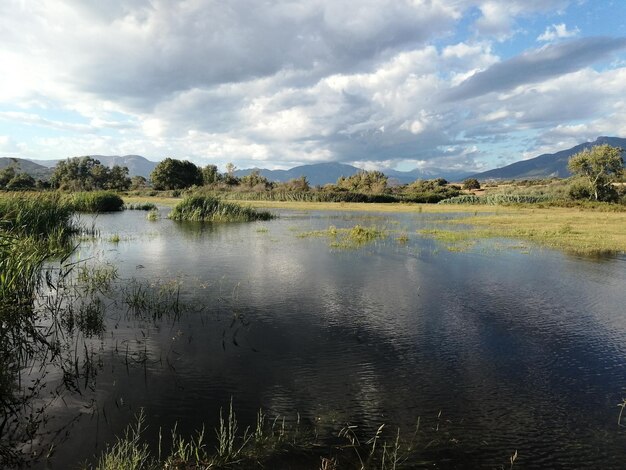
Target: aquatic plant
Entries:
(353, 237)
(96, 201)
(210, 209)
(274, 440)
(153, 215)
(141, 206)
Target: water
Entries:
(502, 347)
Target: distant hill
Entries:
(35, 170)
(548, 164)
(326, 173)
(136, 164)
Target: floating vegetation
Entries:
(141, 206)
(402, 238)
(348, 237)
(96, 201)
(153, 215)
(210, 209)
(115, 238)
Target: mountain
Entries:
(35, 170)
(136, 164)
(326, 173)
(548, 164)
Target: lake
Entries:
(496, 347)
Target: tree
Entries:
(210, 175)
(598, 167)
(118, 179)
(374, 182)
(471, 183)
(256, 181)
(138, 182)
(87, 173)
(230, 178)
(175, 174)
(21, 181)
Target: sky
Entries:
(403, 84)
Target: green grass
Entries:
(96, 201)
(574, 231)
(153, 215)
(354, 237)
(141, 206)
(209, 209)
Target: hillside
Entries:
(546, 165)
(35, 170)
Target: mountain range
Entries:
(543, 166)
(325, 173)
(548, 164)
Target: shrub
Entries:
(471, 183)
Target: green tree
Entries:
(21, 181)
(210, 175)
(256, 181)
(471, 183)
(118, 179)
(598, 166)
(175, 174)
(87, 173)
(7, 174)
(138, 182)
(374, 182)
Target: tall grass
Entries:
(96, 201)
(43, 217)
(210, 209)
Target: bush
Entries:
(471, 183)
(579, 190)
(97, 201)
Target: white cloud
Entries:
(286, 82)
(557, 31)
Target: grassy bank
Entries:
(571, 230)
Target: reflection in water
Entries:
(517, 351)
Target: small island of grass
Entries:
(210, 209)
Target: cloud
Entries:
(557, 31)
(536, 65)
(498, 18)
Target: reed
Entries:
(273, 443)
(96, 201)
(140, 206)
(210, 209)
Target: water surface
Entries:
(507, 346)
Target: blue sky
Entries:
(455, 84)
